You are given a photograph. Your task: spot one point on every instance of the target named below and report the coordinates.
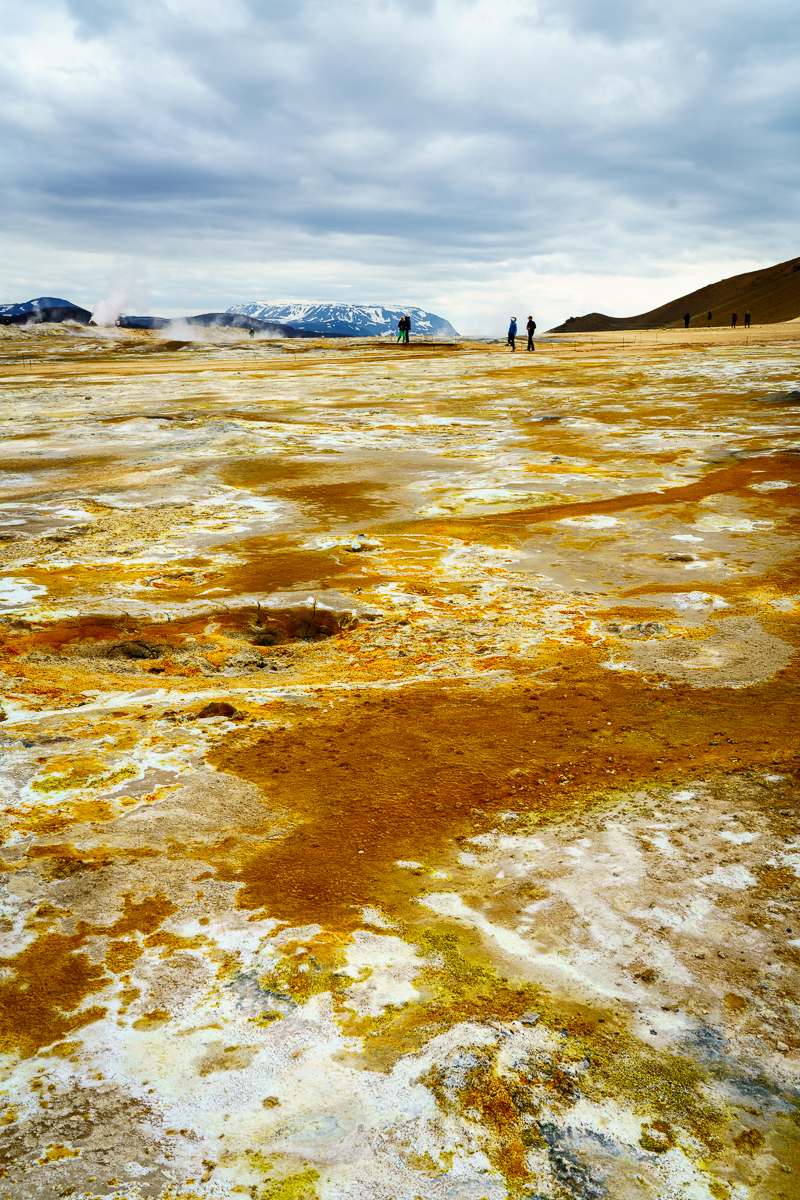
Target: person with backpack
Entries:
(512, 333)
(531, 328)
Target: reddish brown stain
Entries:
(121, 955)
(399, 777)
(52, 977)
(144, 917)
(41, 1003)
(733, 479)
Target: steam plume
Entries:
(125, 287)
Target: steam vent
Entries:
(398, 751)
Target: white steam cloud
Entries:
(125, 288)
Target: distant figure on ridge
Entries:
(709, 317)
(512, 333)
(747, 319)
(252, 332)
(531, 328)
(686, 319)
(734, 319)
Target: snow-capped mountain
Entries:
(347, 320)
(44, 308)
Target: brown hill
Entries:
(771, 294)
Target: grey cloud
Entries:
(459, 133)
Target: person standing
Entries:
(512, 333)
(407, 327)
(734, 319)
(531, 328)
(747, 319)
(686, 319)
(709, 317)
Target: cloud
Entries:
(452, 151)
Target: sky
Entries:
(479, 158)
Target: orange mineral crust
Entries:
(405, 775)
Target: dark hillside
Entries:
(771, 294)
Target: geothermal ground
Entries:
(398, 752)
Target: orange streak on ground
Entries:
(400, 778)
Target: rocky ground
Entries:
(399, 755)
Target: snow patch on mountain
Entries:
(44, 309)
(32, 306)
(347, 320)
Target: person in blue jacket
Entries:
(512, 333)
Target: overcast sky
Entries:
(476, 157)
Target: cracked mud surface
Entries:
(399, 769)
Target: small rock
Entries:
(782, 1046)
(498, 1027)
(217, 708)
(529, 1018)
(134, 648)
(645, 629)
(779, 398)
(44, 740)
(656, 1138)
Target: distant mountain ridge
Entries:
(43, 309)
(218, 320)
(771, 294)
(347, 320)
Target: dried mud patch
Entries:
(69, 1138)
(739, 651)
(207, 812)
